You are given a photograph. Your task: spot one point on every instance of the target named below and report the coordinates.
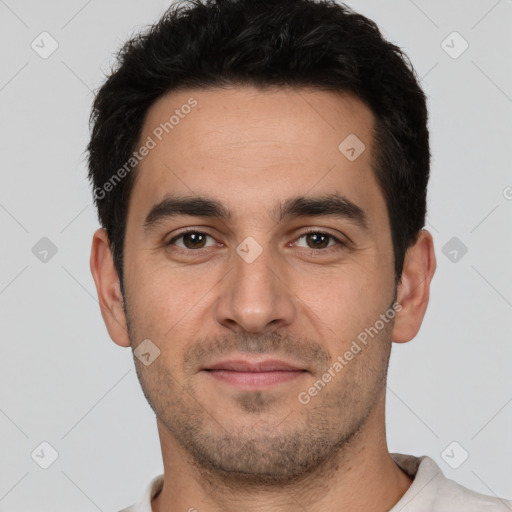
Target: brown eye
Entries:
(318, 240)
(190, 240)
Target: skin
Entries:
(227, 449)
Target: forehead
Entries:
(249, 147)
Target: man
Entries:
(260, 170)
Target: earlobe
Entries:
(108, 288)
(414, 287)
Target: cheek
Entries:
(349, 303)
(153, 307)
(167, 308)
(164, 292)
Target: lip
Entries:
(250, 375)
(266, 365)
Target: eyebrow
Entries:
(331, 205)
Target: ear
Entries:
(414, 287)
(108, 288)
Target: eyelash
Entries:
(339, 243)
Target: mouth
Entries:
(247, 374)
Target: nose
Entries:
(256, 294)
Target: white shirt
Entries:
(430, 491)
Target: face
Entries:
(286, 262)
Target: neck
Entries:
(360, 475)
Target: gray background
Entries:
(65, 382)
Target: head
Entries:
(290, 139)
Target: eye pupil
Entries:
(195, 238)
(319, 237)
